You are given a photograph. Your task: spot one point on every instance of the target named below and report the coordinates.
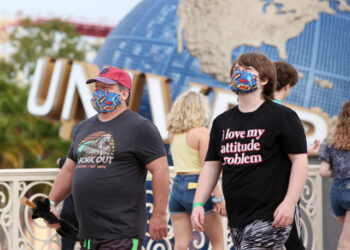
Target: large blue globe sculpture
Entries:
(146, 41)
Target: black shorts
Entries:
(121, 244)
(295, 241)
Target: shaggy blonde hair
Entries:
(190, 110)
(340, 139)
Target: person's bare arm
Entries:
(63, 184)
(284, 213)
(325, 169)
(207, 181)
(160, 187)
(62, 187)
(203, 135)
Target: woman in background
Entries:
(188, 139)
(336, 163)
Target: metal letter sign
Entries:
(59, 92)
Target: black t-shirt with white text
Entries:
(109, 178)
(253, 149)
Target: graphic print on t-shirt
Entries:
(241, 147)
(96, 150)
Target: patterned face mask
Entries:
(243, 82)
(104, 101)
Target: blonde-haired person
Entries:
(335, 163)
(188, 139)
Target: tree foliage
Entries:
(27, 141)
(54, 38)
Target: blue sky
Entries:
(102, 11)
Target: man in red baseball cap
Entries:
(113, 75)
(106, 170)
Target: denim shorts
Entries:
(340, 197)
(182, 195)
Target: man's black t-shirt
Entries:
(109, 178)
(253, 148)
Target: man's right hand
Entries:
(158, 227)
(197, 218)
(55, 225)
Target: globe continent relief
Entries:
(196, 41)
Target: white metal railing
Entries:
(19, 231)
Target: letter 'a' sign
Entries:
(59, 92)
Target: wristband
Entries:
(197, 204)
(218, 199)
(52, 203)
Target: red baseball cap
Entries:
(113, 75)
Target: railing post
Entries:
(14, 214)
(319, 208)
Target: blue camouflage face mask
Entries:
(104, 101)
(243, 82)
